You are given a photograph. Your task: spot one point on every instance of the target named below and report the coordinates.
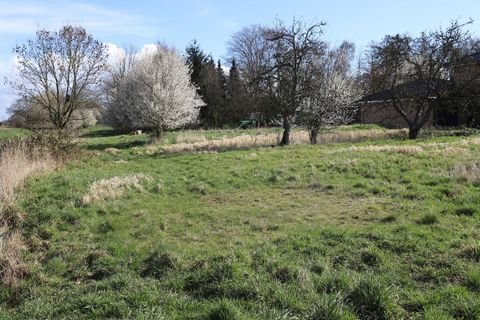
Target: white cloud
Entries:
(25, 17)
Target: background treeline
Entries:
(283, 74)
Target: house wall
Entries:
(384, 114)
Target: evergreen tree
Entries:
(197, 60)
(235, 97)
(211, 83)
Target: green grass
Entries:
(301, 232)
(7, 132)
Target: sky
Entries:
(139, 23)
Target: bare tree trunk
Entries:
(313, 136)
(158, 132)
(286, 132)
(413, 132)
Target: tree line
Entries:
(284, 74)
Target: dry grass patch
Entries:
(265, 140)
(184, 137)
(112, 151)
(11, 250)
(19, 159)
(113, 188)
(467, 172)
(17, 163)
(360, 135)
(388, 148)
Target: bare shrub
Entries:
(113, 188)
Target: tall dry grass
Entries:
(17, 163)
(469, 172)
(201, 144)
(19, 159)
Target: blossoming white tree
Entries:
(332, 93)
(163, 96)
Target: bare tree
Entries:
(24, 113)
(58, 70)
(251, 52)
(291, 61)
(162, 95)
(332, 93)
(417, 74)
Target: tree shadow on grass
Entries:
(102, 133)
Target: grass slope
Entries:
(376, 230)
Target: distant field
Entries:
(6, 132)
(377, 229)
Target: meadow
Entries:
(367, 226)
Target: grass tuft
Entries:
(465, 211)
(371, 299)
(428, 219)
(472, 280)
(224, 310)
(331, 307)
(158, 264)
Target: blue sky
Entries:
(212, 22)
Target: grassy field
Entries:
(7, 132)
(383, 229)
